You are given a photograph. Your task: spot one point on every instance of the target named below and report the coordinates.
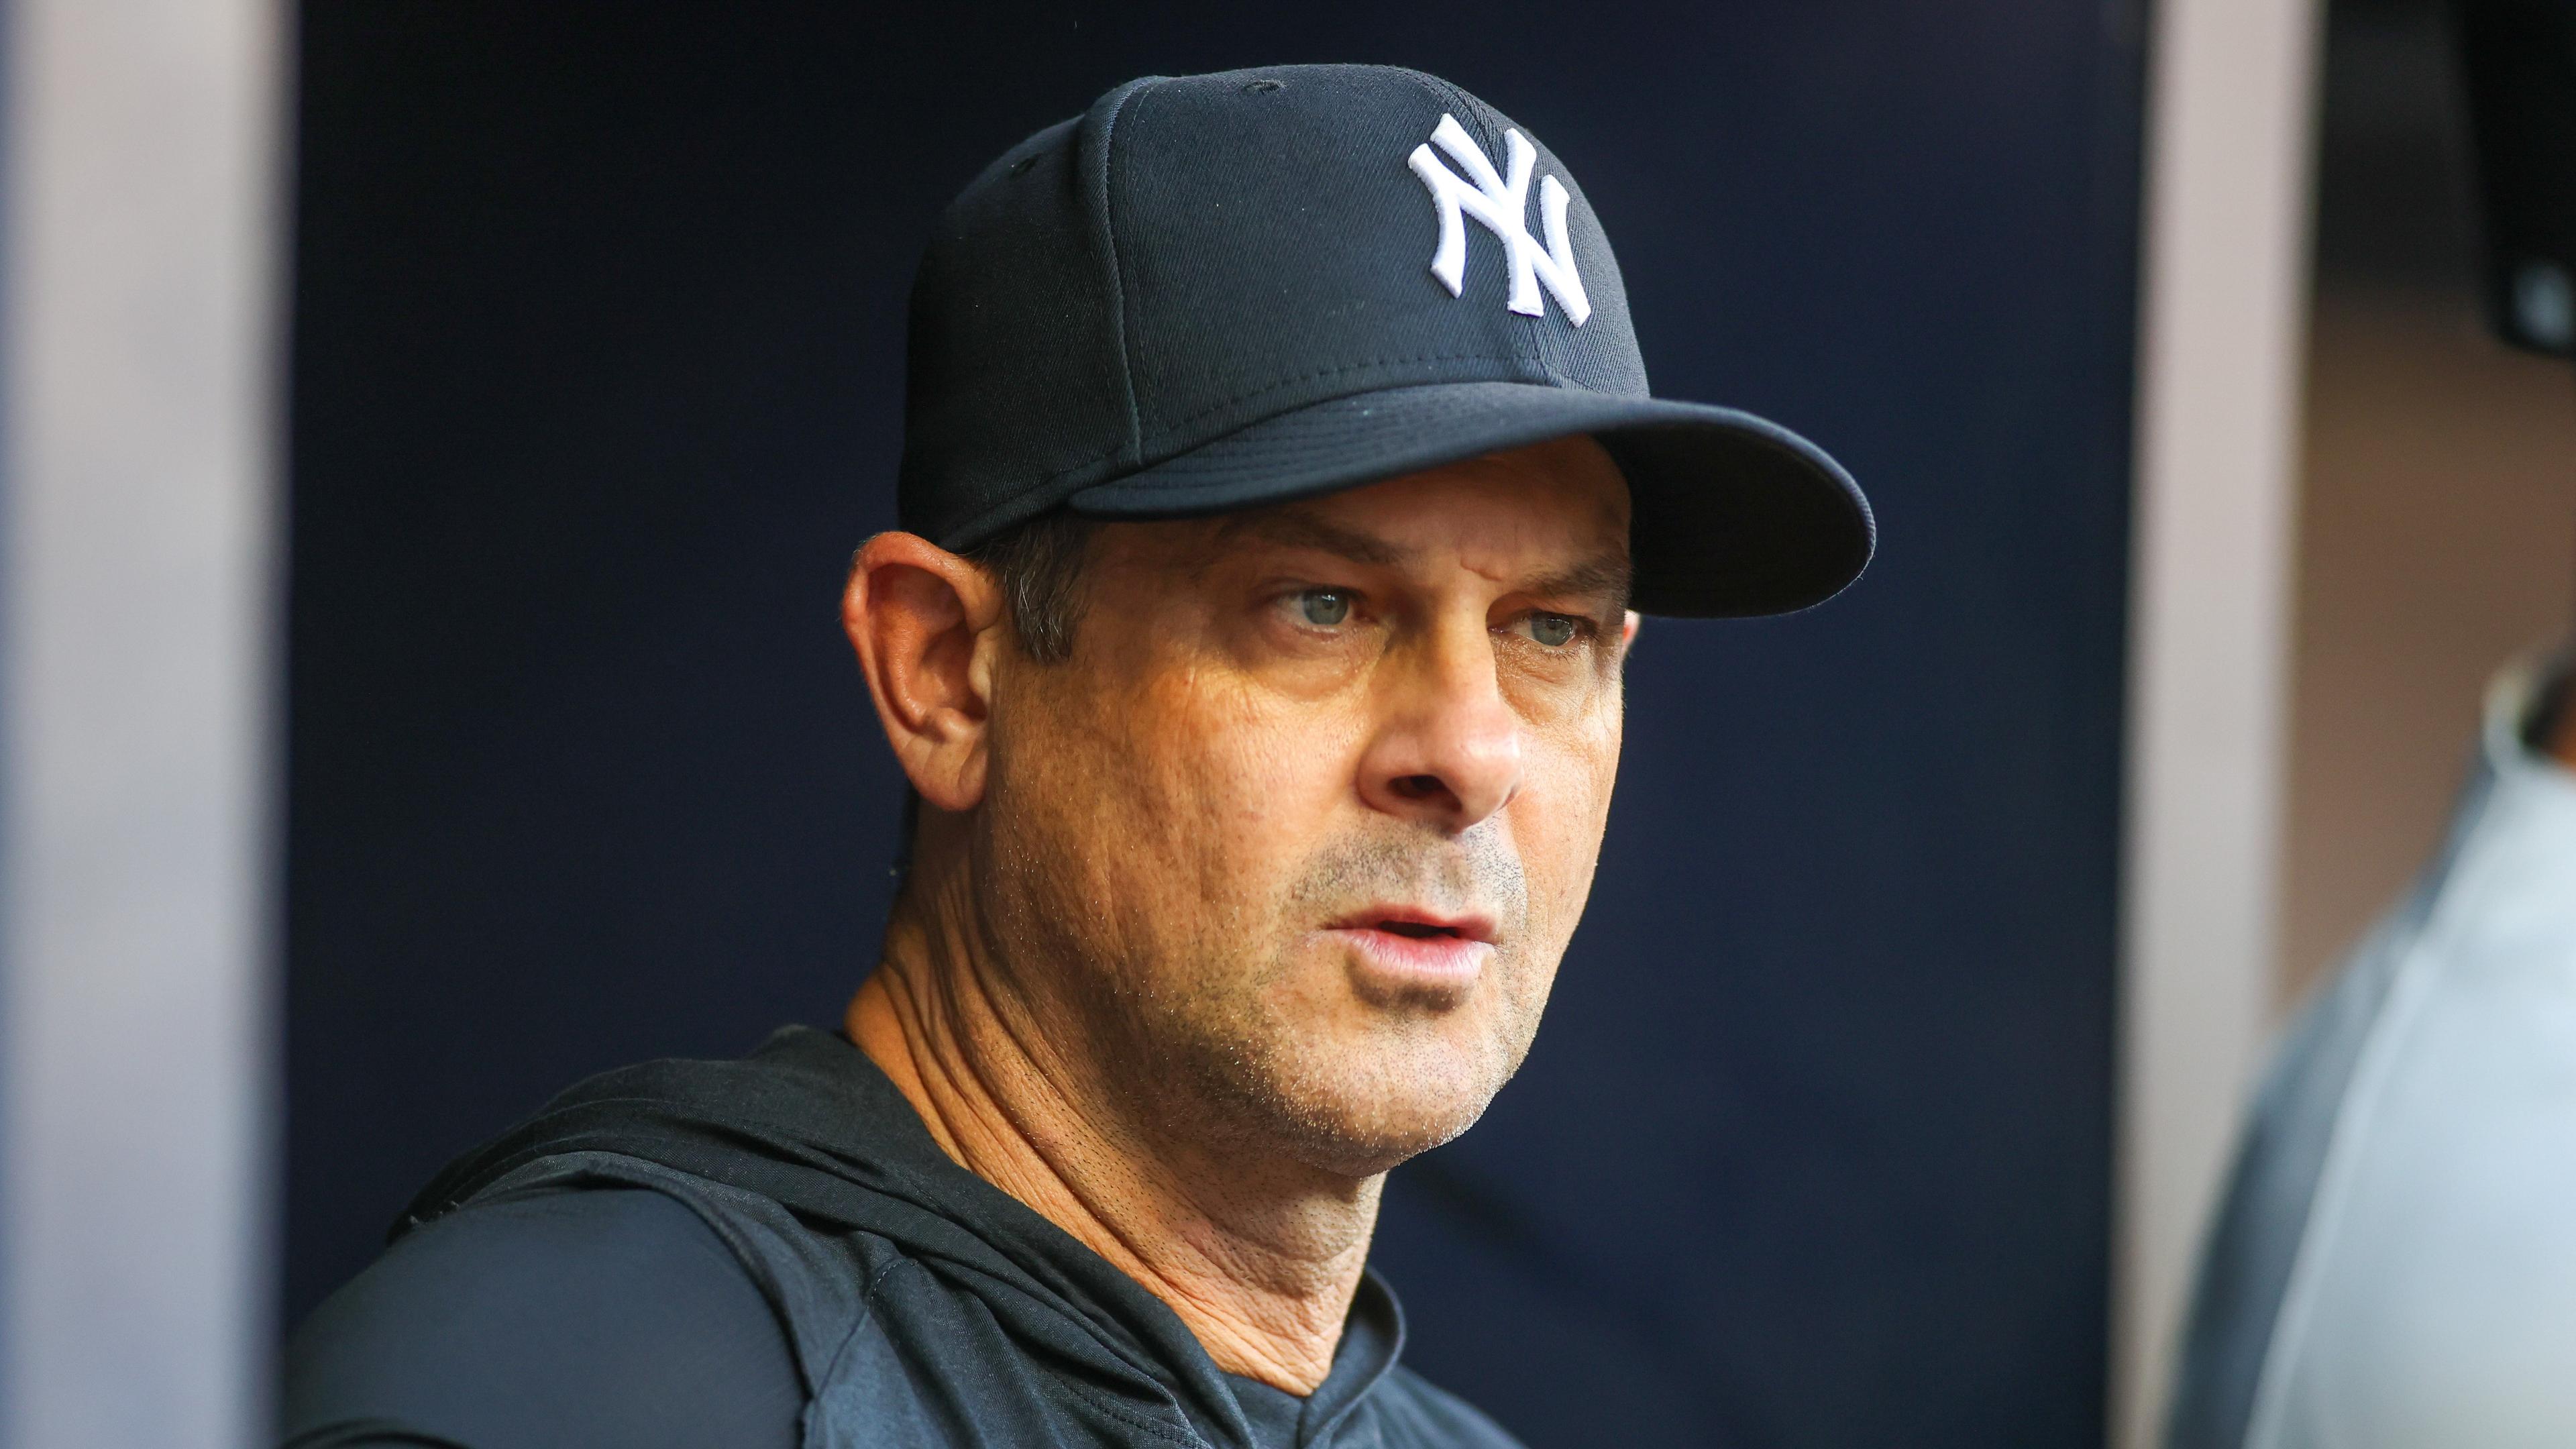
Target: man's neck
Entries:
(1261, 1265)
(2564, 746)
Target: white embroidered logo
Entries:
(1503, 206)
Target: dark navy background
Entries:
(598, 358)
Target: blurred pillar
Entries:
(2223, 299)
(139, 236)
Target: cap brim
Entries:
(1731, 516)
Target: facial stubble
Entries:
(1220, 1047)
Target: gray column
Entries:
(2224, 297)
(140, 231)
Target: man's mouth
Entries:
(1416, 929)
(1419, 925)
(1408, 952)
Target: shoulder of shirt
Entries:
(608, 1317)
(1436, 1416)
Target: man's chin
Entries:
(1358, 1154)
(1353, 1098)
(1369, 1125)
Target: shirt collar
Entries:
(2511, 867)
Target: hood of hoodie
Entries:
(810, 1122)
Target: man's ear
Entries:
(926, 625)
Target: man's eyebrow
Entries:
(1289, 528)
(1604, 575)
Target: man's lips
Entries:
(1416, 924)
(1409, 950)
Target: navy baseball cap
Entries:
(1214, 292)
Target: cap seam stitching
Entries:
(1016, 506)
(1341, 367)
(1118, 274)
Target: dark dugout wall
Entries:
(598, 366)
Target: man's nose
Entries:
(1448, 752)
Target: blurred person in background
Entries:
(1280, 489)
(2394, 1265)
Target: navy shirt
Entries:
(570, 1319)
(602, 1276)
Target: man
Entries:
(1279, 476)
(2395, 1264)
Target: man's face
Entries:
(1300, 830)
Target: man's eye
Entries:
(1553, 630)
(1324, 608)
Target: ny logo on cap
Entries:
(1503, 206)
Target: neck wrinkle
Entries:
(1261, 1269)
